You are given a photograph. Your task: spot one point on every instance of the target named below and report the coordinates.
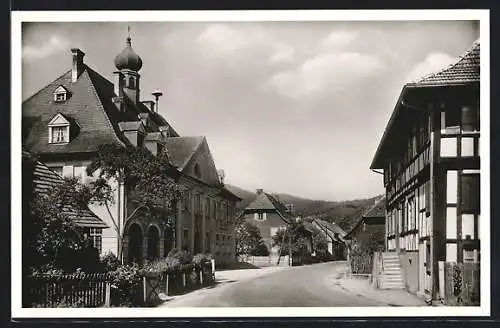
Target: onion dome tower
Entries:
(128, 63)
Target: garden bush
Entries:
(109, 262)
(184, 257)
(125, 284)
(201, 258)
(260, 250)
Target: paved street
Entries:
(306, 286)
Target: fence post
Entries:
(441, 280)
(201, 276)
(107, 298)
(184, 279)
(144, 288)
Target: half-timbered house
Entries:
(429, 154)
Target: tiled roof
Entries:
(261, 202)
(377, 210)
(337, 231)
(278, 205)
(465, 70)
(45, 180)
(89, 104)
(181, 149)
(264, 201)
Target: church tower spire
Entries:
(127, 78)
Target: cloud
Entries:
(433, 62)
(338, 39)
(54, 44)
(331, 71)
(220, 39)
(282, 54)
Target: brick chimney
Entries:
(78, 65)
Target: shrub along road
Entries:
(311, 285)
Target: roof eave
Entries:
(378, 153)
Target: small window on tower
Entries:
(131, 82)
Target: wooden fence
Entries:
(156, 286)
(461, 283)
(76, 290)
(95, 290)
(361, 263)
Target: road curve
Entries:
(305, 286)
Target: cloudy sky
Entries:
(294, 107)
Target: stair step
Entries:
(383, 287)
(392, 278)
(394, 281)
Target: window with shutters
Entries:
(470, 194)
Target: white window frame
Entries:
(95, 235)
(260, 217)
(60, 94)
(59, 122)
(65, 129)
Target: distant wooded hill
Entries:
(344, 213)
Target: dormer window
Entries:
(60, 94)
(59, 129)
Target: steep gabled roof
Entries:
(261, 201)
(44, 180)
(182, 149)
(267, 202)
(465, 70)
(377, 210)
(90, 105)
(334, 230)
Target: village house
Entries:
(269, 215)
(66, 121)
(44, 180)
(429, 154)
(335, 237)
(371, 223)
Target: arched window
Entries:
(131, 82)
(153, 243)
(168, 240)
(135, 244)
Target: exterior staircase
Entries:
(390, 273)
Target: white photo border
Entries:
(18, 17)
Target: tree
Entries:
(49, 234)
(248, 238)
(362, 249)
(295, 235)
(149, 181)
